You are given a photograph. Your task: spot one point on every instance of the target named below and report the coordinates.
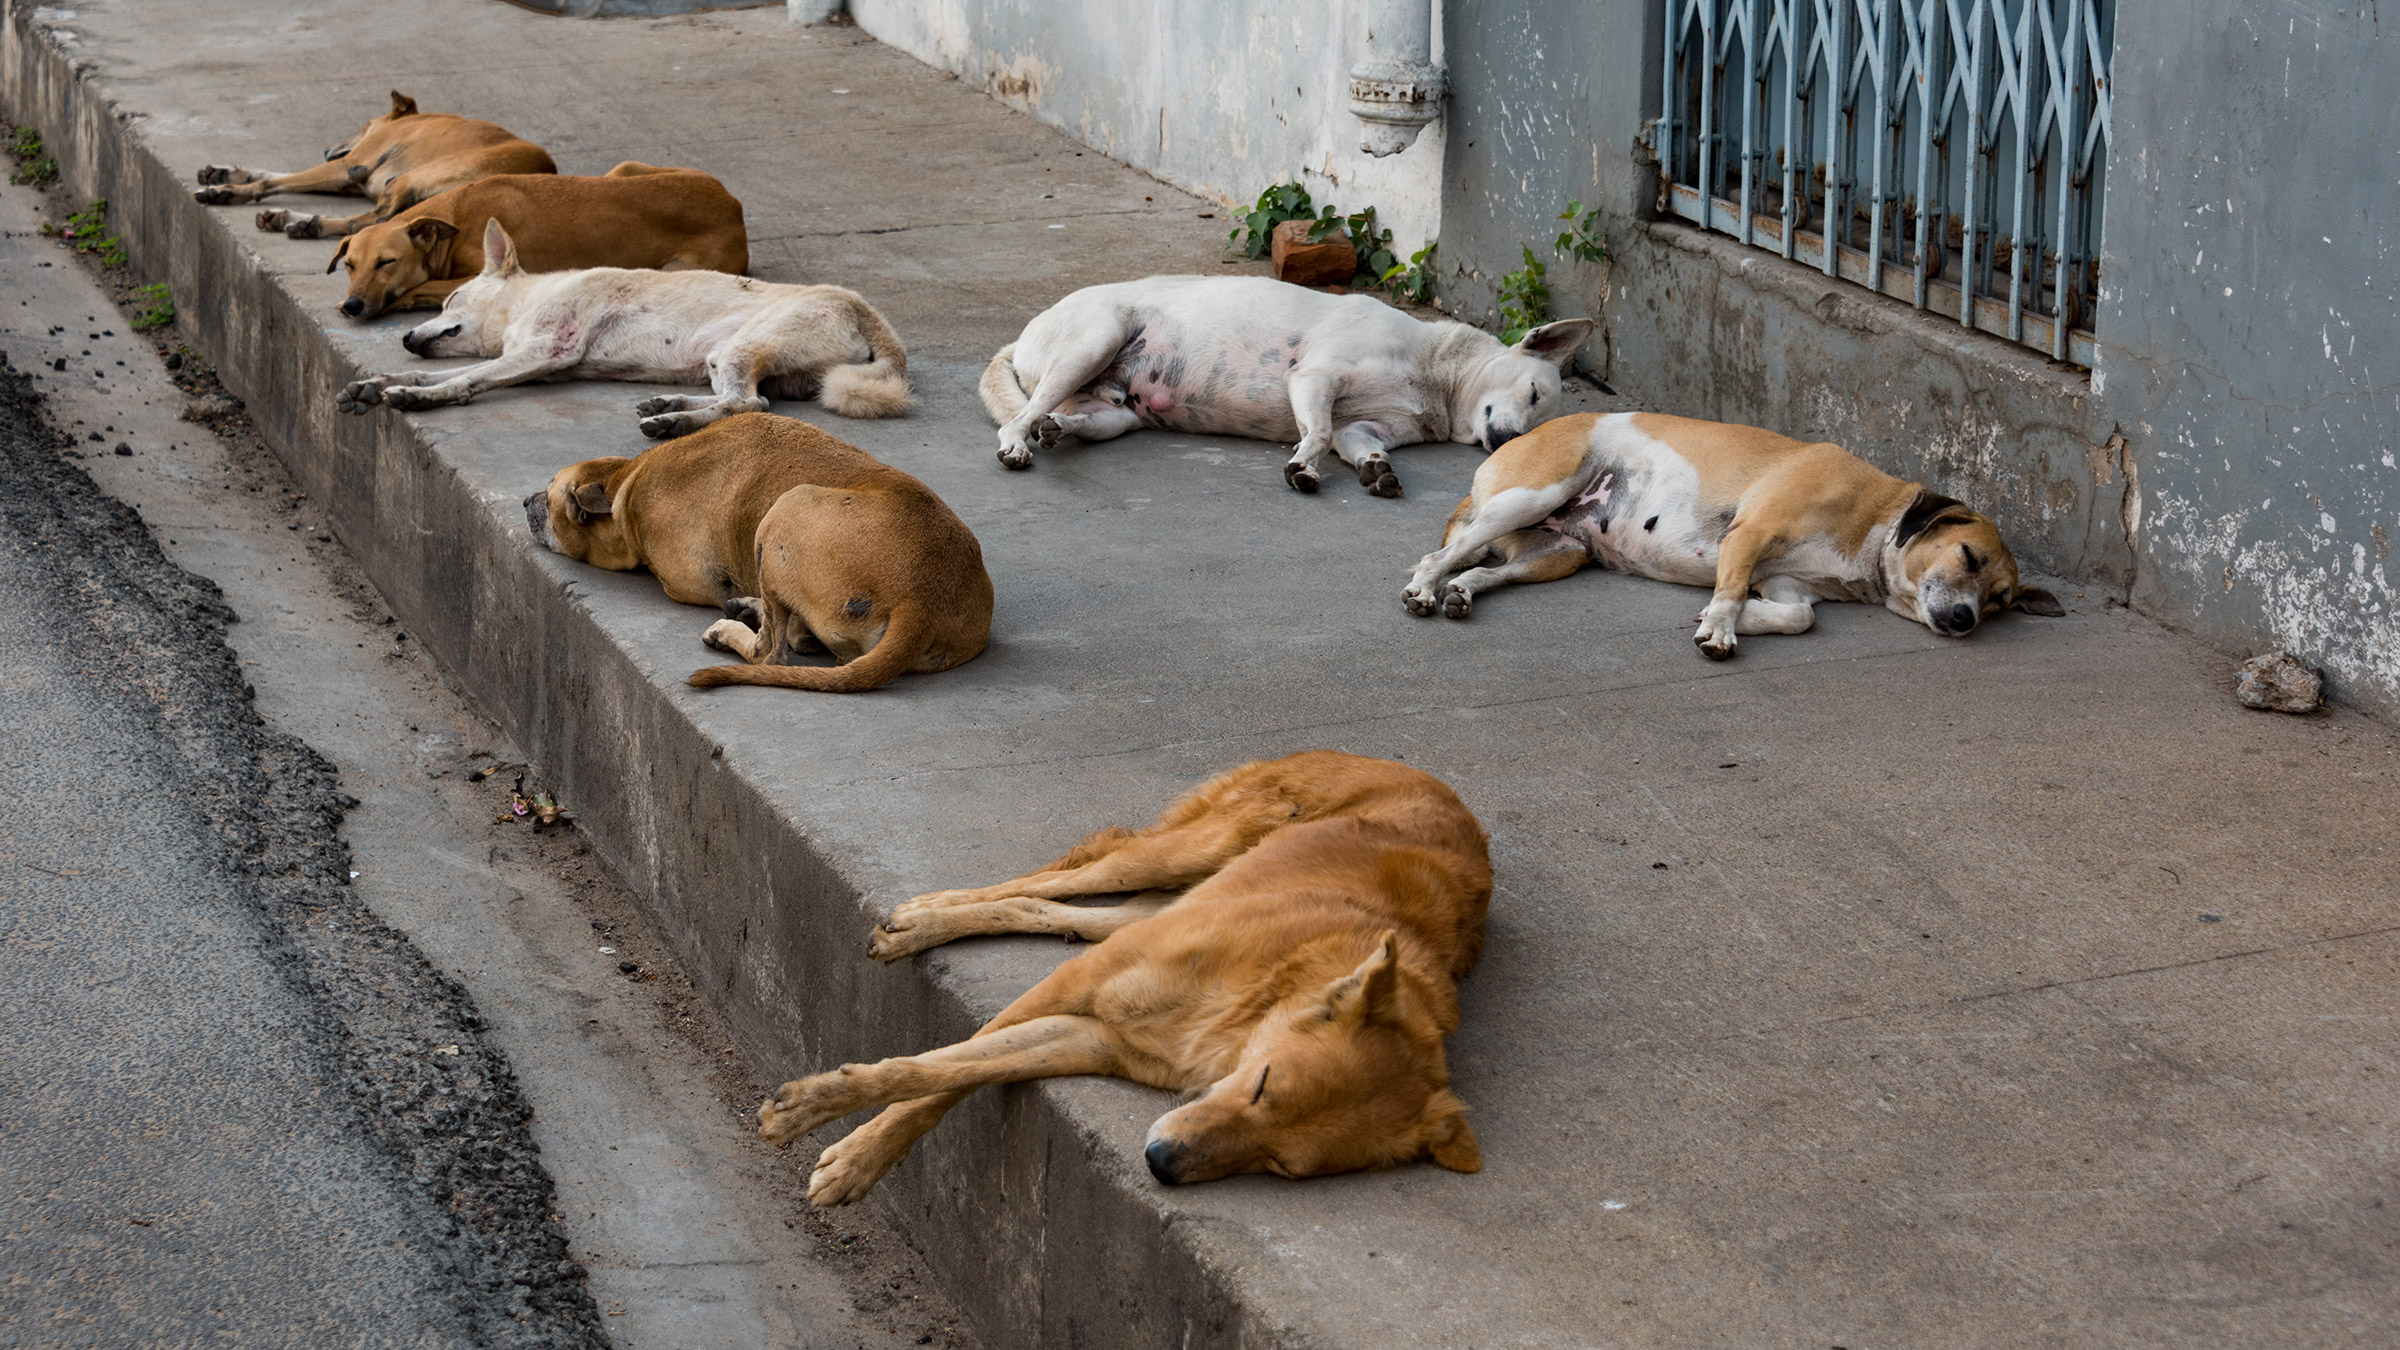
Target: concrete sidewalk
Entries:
(1871, 989)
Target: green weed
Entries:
(160, 309)
(1282, 202)
(33, 167)
(87, 230)
(1524, 299)
(1411, 280)
(1581, 239)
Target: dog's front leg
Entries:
(518, 367)
(1744, 547)
(906, 934)
(1364, 446)
(1312, 393)
(1042, 1047)
(360, 395)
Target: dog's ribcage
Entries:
(1639, 512)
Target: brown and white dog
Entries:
(741, 337)
(635, 215)
(814, 543)
(402, 158)
(1300, 988)
(1731, 507)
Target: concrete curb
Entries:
(1037, 1226)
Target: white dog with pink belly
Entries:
(1345, 375)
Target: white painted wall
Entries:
(1219, 97)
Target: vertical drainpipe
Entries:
(1396, 91)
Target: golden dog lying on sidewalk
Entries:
(821, 545)
(1732, 507)
(635, 215)
(402, 158)
(1301, 987)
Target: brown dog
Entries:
(635, 215)
(402, 158)
(1730, 507)
(822, 546)
(1301, 987)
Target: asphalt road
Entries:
(234, 1105)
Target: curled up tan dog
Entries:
(1734, 508)
(1299, 990)
(812, 545)
(402, 158)
(741, 337)
(635, 215)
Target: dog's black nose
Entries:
(1165, 1157)
(1961, 619)
(537, 512)
(408, 343)
(354, 307)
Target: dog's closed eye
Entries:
(1974, 564)
(1261, 1089)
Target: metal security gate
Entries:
(1955, 151)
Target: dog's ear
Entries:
(591, 503)
(2035, 600)
(1920, 516)
(1448, 1138)
(403, 105)
(426, 234)
(343, 248)
(1371, 993)
(1556, 342)
(499, 251)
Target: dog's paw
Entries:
(1301, 477)
(1456, 603)
(214, 196)
(1016, 457)
(728, 635)
(749, 609)
(358, 396)
(1715, 636)
(409, 398)
(274, 219)
(805, 1103)
(669, 425)
(301, 225)
(664, 403)
(902, 936)
(1386, 484)
(847, 1169)
(1420, 602)
(218, 173)
(1048, 431)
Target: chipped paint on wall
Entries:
(1222, 100)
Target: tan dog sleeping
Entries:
(635, 215)
(1730, 507)
(402, 158)
(1300, 988)
(820, 545)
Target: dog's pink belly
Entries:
(1231, 394)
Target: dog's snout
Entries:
(1165, 1157)
(1959, 618)
(1495, 437)
(354, 307)
(537, 513)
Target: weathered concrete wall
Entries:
(1220, 99)
(2250, 325)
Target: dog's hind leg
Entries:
(1504, 513)
(1055, 1046)
(1312, 395)
(1528, 556)
(907, 933)
(734, 370)
(1068, 371)
(1165, 859)
(224, 190)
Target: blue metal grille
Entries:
(1955, 151)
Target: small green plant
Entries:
(160, 309)
(87, 230)
(1282, 202)
(1524, 299)
(1581, 239)
(1411, 280)
(33, 167)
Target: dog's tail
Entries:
(1003, 394)
(879, 388)
(904, 642)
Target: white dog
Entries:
(1248, 356)
(735, 334)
